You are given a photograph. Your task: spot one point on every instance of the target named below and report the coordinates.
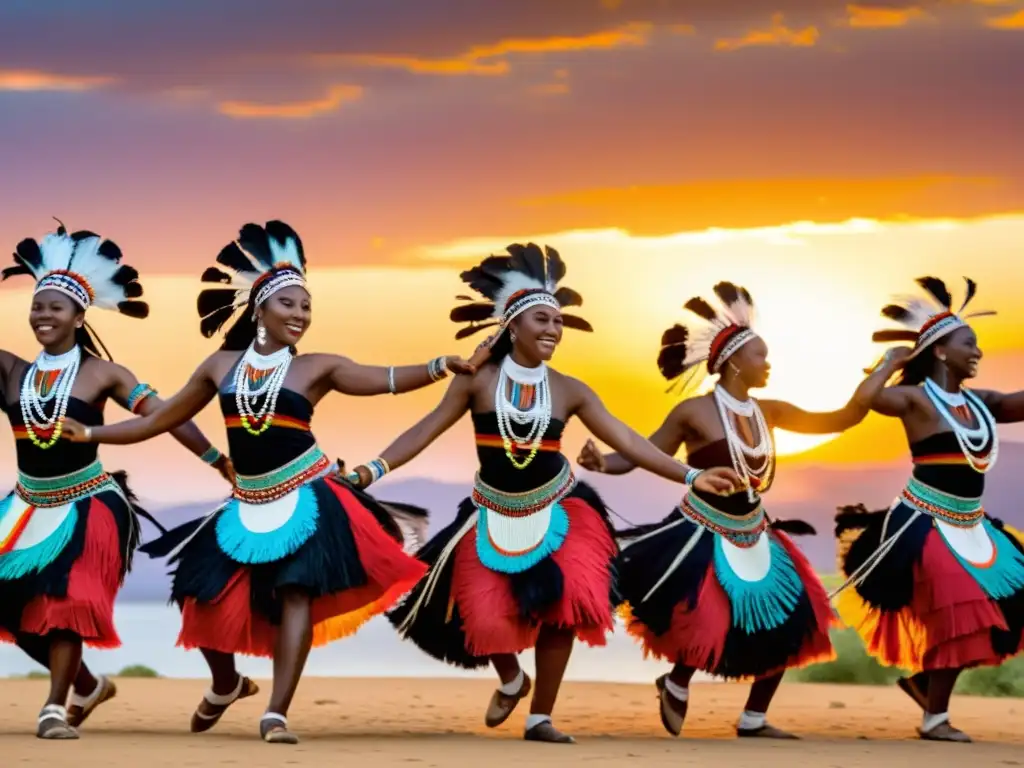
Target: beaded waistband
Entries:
(260, 489)
(743, 531)
(55, 491)
(528, 502)
(955, 510)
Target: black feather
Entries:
(110, 250)
(972, 288)
(894, 335)
(567, 297)
(671, 361)
(937, 289)
(133, 291)
(138, 309)
(282, 233)
(529, 260)
(215, 307)
(698, 306)
(27, 253)
(469, 330)
(12, 271)
(472, 313)
(462, 297)
(677, 334)
(83, 234)
(232, 257)
(253, 239)
(726, 292)
(854, 517)
(555, 266)
(896, 312)
(486, 277)
(125, 275)
(214, 275)
(794, 527)
(576, 323)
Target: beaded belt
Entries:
(955, 510)
(55, 491)
(743, 531)
(524, 504)
(260, 489)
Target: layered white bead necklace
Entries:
(56, 390)
(762, 454)
(972, 440)
(523, 384)
(260, 376)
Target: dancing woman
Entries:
(527, 562)
(716, 585)
(935, 584)
(69, 529)
(296, 558)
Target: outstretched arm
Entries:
(189, 401)
(352, 378)
(142, 399)
(641, 452)
(1006, 408)
(668, 438)
(787, 416)
(413, 441)
(7, 363)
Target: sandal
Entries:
(204, 721)
(766, 731)
(501, 706)
(274, 729)
(53, 723)
(547, 732)
(944, 732)
(80, 707)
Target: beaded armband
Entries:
(378, 468)
(138, 395)
(691, 476)
(438, 368)
(211, 455)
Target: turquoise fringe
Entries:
(491, 558)
(759, 606)
(245, 546)
(21, 562)
(1005, 577)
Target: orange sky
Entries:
(661, 145)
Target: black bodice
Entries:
(288, 436)
(940, 463)
(63, 457)
(498, 472)
(716, 454)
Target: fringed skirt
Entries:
(467, 610)
(329, 540)
(65, 547)
(692, 596)
(942, 596)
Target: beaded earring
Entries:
(261, 334)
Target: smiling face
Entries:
(54, 318)
(538, 331)
(287, 315)
(751, 363)
(960, 353)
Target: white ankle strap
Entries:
(53, 712)
(275, 716)
(84, 702)
(223, 700)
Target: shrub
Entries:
(137, 670)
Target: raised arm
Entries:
(189, 401)
(1006, 408)
(640, 451)
(142, 399)
(793, 419)
(668, 438)
(352, 378)
(413, 441)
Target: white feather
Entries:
(56, 251)
(513, 282)
(83, 258)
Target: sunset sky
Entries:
(824, 154)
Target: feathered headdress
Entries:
(83, 267)
(526, 278)
(711, 335)
(925, 320)
(262, 261)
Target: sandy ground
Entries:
(426, 723)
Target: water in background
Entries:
(149, 630)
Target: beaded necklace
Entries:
(522, 395)
(972, 440)
(260, 376)
(763, 453)
(48, 380)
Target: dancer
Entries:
(527, 562)
(296, 558)
(69, 529)
(935, 584)
(716, 585)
